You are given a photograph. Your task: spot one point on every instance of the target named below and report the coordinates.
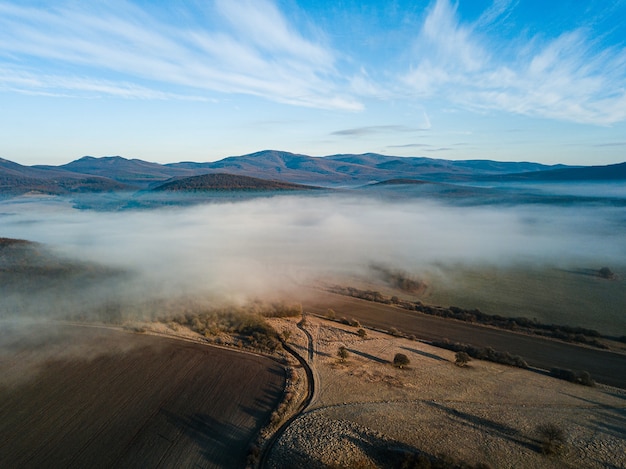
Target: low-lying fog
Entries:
(234, 251)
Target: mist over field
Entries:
(270, 246)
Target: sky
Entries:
(201, 80)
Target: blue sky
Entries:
(194, 80)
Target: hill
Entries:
(355, 169)
(613, 172)
(114, 173)
(16, 179)
(227, 182)
(132, 172)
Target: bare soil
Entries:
(92, 397)
(367, 413)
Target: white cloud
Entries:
(564, 78)
(257, 53)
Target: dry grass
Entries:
(483, 412)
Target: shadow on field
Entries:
(480, 424)
(368, 356)
(579, 271)
(425, 354)
(608, 419)
(222, 444)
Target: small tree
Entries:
(330, 314)
(362, 333)
(552, 439)
(605, 272)
(461, 358)
(400, 360)
(342, 353)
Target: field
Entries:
(367, 413)
(605, 366)
(572, 295)
(104, 398)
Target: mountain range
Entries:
(114, 173)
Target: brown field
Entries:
(366, 413)
(604, 366)
(92, 397)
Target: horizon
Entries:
(309, 156)
(496, 80)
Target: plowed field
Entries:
(110, 399)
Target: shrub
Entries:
(551, 438)
(581, 377)
(461, 358)
(605, 272)
(400, 360)
(342, 353)
(362, 333)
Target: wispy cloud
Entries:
(611, 144)
(375, 129)
(255, 51)
(566, 78)
(384, 129)
(410, 145)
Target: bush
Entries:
(461, 358)
(551, 438)
(342, 353)
(581, 377)
(362, 333)
(607, 273)
(400, 360)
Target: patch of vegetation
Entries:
(531, 326)
(483, 353)
(461, 358)
(398, 279)
(362, 333)
(552, 439)
(228, 182)
(343, 354)
(400, 360)
(578, 377)
(606, 273)
(250, 328)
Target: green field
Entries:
(574, 296)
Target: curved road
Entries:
(605, 367)
(307, 399)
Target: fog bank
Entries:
(233, 251)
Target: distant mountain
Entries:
(132, 172)
(354, 169)
(114, 173)
(16, 179)
(228, 182)
(612, 172)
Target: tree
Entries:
(607, 273)
(461, 358)
(342, 353)
(400, 360)
(362, 333)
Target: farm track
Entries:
(306, 401)
(605, 367)
(140, 401)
